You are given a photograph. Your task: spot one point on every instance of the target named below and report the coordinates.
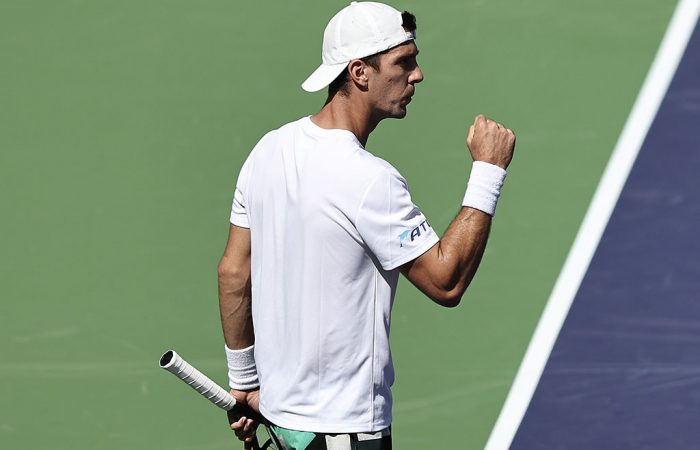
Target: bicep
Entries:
(430, 273)
(237, 252)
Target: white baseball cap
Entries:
(358, 30)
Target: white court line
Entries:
(594, 223)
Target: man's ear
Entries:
(359, 73)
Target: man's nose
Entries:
(416, 76)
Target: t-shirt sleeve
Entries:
(393, 228)
(239, 209)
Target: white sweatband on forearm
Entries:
(484, 187)
(242, 373)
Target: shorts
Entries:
(303, 440)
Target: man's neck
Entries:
(345, 114)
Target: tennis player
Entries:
(321, 229)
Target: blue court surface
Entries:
(624, 372)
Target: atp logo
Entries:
(414, 233)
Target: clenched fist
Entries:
(491, 142)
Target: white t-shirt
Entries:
(330, 224)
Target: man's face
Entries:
(393, 85)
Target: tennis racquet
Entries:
(175, 364)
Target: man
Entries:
(321, 228)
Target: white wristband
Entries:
(484, 187)
(242, 373)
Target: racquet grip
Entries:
(173, 363)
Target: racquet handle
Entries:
(173, 363)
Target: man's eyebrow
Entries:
(409, 55)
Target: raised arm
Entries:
(444, 272)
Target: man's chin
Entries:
(400, 113)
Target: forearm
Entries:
(461, 248)
(235, 305)
(236, 311)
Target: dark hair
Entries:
(340, 84)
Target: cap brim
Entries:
(322, 77)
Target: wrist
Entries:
(484, 187)
(242, 372)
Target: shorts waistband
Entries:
(304, 440)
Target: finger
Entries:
(248, 427)
(479, 120)
(244, 436)
(238, 425)
(247, 431)
(470, 135)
